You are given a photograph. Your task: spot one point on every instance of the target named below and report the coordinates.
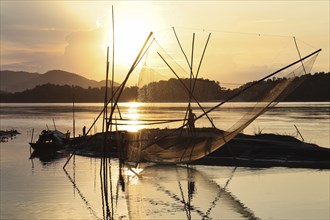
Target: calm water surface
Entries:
(41, 189)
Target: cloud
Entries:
(45, 36)
(84, 52)
(32, 36)
(51, 35)
(79, 52)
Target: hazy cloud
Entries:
(41, 37)
(44, 35)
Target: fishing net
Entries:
(169, 74)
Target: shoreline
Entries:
(255, 151)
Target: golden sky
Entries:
(38, 36)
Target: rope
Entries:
(234, 32)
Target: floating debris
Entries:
(5, 135)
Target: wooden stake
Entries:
(54, 124)
(299, 133)
(32, 135)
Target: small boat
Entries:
(51, 140)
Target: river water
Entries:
(40, 189)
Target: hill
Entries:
(310, 88)
(11, 81)
(206, 90)
(173, 91)
(307, 88)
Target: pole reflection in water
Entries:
(155, 192)
(88, 205)
(181, 192)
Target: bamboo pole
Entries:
(235, 95)
(113, 58)
(126, 79)
(176, 36)
(117, 90)
(295, 42)
(257, 82)
(185, 88)
(73, 119)
(54, 124)
(31, 141)
(105, 113)
(299, 133)
(32, 135)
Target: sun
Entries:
(129, 37)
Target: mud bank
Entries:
(269, 150)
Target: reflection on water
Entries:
(47, 157)
(133, 115)
(312, 119)
(39, 188)
(46, 191)
(84, 199)
(162, 192)
(184, 192)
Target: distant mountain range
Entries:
(18, 81)
(307, 88)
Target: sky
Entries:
(247, 42)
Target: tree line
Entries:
(314, 87)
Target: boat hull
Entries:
(46, 146)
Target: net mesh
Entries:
(168, 73)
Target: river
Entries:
(40, 189)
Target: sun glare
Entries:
(133, 174)
(129, 37)
(133, 116)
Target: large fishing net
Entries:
(171, 71)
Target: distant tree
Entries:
(309, 88)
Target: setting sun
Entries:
(165, 109)
(77, 40)
(126, 34)
(128, 38)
